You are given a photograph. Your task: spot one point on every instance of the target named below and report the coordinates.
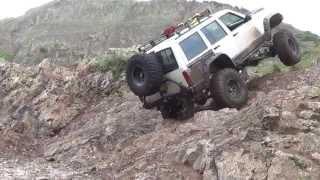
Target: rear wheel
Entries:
(181, 108)
(287, 48)
(228, 89)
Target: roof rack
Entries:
(178, 29)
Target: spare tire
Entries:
(287, 47)
(144, 74)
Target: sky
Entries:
(14, 8)
(301, 14)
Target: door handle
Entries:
(217, 47)
(235, 34)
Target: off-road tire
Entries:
(186, 109)
(144, 74)
(228, 89)
(287, 47)
(181, 108)
(168, 112)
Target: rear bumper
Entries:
(159, 98)
(151, 101)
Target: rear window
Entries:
(168, 60)
(193, 46)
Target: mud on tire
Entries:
(144, 74)
(228, 89)
(287, 47)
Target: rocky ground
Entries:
(75, 123)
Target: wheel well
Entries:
(275, 20)
(223, 61)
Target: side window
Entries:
(232, 21)
(193, 46)
(214, 32)
(168, 60)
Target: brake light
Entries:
(187, 77)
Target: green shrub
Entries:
(309, 58)
(270, 66)
(276, 68)
(114, 63)
(6, 56)
(298, 162)
(308, 36)
(295, 68)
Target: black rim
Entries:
(293, 45)
(138, 76)
(183, 107)
(234, 88)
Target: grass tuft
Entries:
(298, 162)
(4, 56)
(113, 63)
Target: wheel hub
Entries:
(293, 45)
(138, 76)
(234, 88)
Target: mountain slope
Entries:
(76, 123)
(69, 30)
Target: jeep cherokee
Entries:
(204, 58)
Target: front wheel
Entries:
(287, 48)
(229, 89)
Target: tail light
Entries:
(187, 77)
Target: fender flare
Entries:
(216, 60)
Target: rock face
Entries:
(76, 123)
(69, 30)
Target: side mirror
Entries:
(247, 18)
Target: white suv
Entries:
(204, 58)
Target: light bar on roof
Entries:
(172, 30)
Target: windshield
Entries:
(232, 21)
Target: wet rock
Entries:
(308, 91)
(210, 175)
(314, 106)
(316, 156)
(189, 156)
(282, 168)
(313, 92)
(271, 118)
(241, 165)
(308, 114)
(254, 135)
(289, 166)
(288, 116)
(19, 127)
